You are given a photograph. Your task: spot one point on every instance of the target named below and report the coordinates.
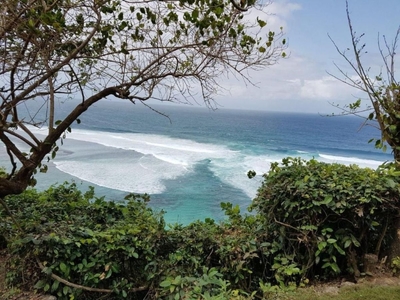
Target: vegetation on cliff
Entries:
(310, 221)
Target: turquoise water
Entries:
(197, 158)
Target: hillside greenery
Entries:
(309, 221)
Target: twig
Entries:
(239, 7)
(287, 225)
(4, 204)
(378, 245)
(85, 288)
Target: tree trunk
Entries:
(394, 249)
(8, 187)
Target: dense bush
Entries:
(89, 242)
(321, 219)
(122, 249)
(309, 220)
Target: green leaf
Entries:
(261, 23)
(374, 223)
(355, 241)
(391, 183)
(327, 200)
(335, 268)
(63, 267)
(340, 250)
(40, 284)
(317, 260)
(165, 283)
(55, 285)
(218, 11)
(321, 245)
(355, 105)
(325, 265)
(177, 280)
(331, 241)
(65, 290)
(195, 14)
(47, 271)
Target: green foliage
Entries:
(395, 264)
(88, 241)
(309, 220)
(124, 246)
(251, 174)
(322, 218)
(209, 285)
(3, 172)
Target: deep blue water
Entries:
(197, 158)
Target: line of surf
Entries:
(350, 160)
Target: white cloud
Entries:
(276, 13)
(283, 9)
(324, 88)
(298, 83)
(295, 84)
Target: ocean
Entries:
(196, 158)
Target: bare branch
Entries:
(383, 94)
(85, 288)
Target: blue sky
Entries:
(301, 83)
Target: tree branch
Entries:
(86, 288)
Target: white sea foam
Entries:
(350, 160)
(234, 171)
(301, 152)
(190, 146)
(140, 162)
(140, 175)
(170, 160)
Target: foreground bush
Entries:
(78, 247)
(95, 244)
(322, 219)
(310, 220)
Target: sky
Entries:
(301, 83)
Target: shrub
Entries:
(321, 219)
(124, 249)
(309, 219)
(89, 242)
